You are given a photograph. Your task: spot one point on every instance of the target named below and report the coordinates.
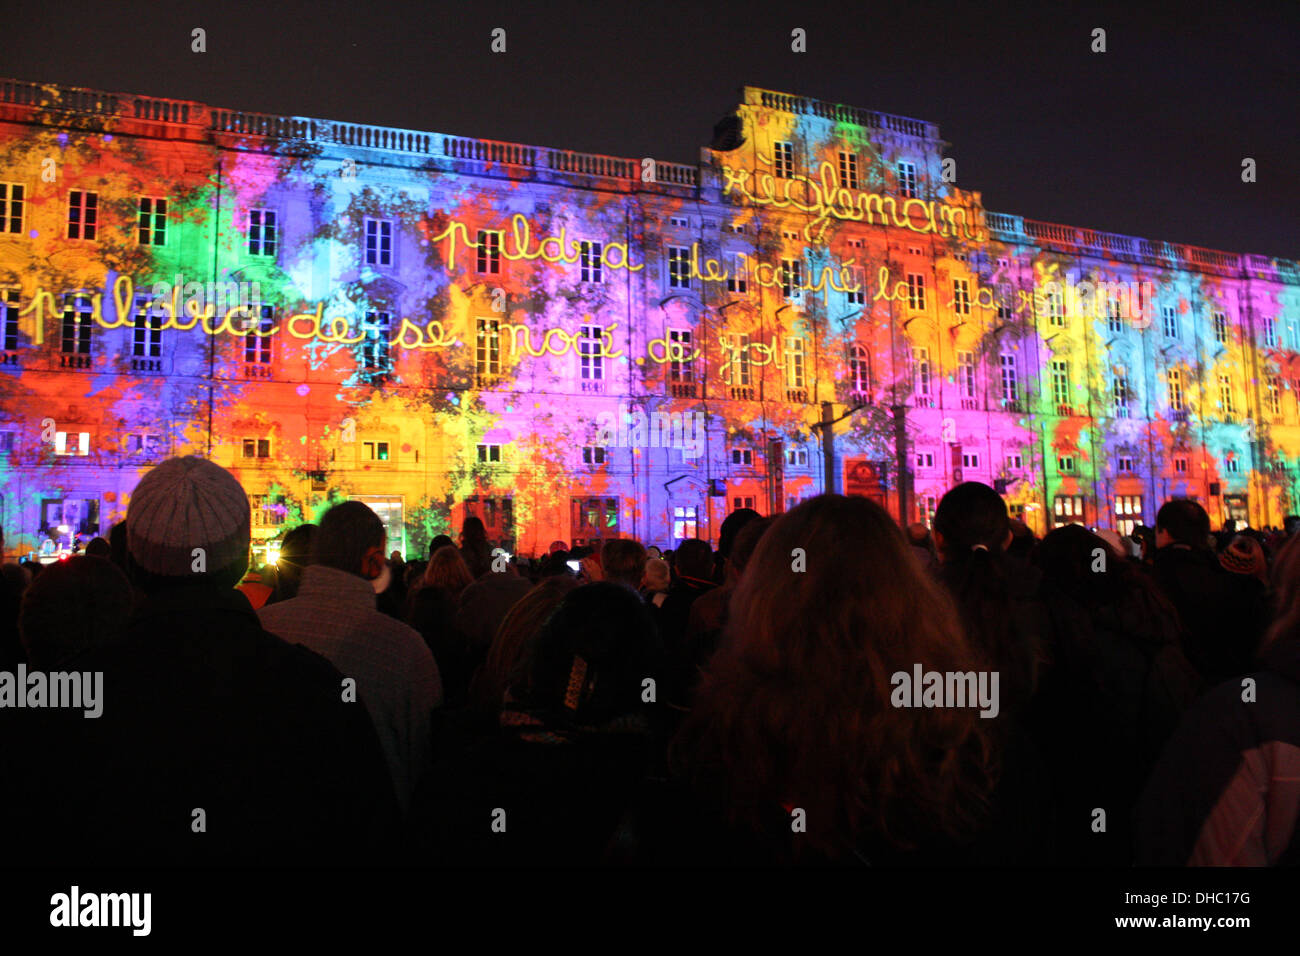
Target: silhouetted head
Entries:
(971, 515)
(694, 559)
(1182, 521)
(352, 539)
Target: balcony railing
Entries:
(146, 365)
(970, 404)
(798, 396)
(74, 361)
(742, 393)
(683, 389)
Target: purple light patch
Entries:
(33, 234)
(303, 389)
(108, 137)
(63, 139)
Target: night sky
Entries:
(1146, 139)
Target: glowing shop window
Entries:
(389, 510)
(72, 443)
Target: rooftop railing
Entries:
(150, 109)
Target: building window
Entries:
(374, 348)
(1120, 392)
(685, 522)
(745, 501)
(1114, 320)
(961, 296)
(497, 515)
(740, 360)
(921, 367)
(1061, 386)
(590, 262)
(796, 457)
(593, 518)
(907, 180)
(1170, 316)
(859, 370)
(9, 302)
(970, 459)
(1005, 312)
(794, 362)
(966, 378)
(72, 444)
(374, 450)
(257, 348)
(1268, 333)
(7, 442)
(681, 367)
(593, 455)
(924, 460)
(144, 445)
(489, 454)
(857, 295)
(262, 232)
(146, 336)
(1225, 396)
(1014, 462)
(915, 291)
(1175, 390)
(1124, 464)
(1273, 398)
(783, 160)
(1180, 466)
(742, 456)
(679, 267)
(257, 448)
(1231, 464)
(791, 278)
(379, 242)
(1221, 328)
(488, 260)
(77, 323)
(487, 351)
(1128, 513)
(83, 214)
(590, 353)
(267, 512)
(1010, 383)
(12, 201)
(1054, 306)
(1068, 509)
(679, 222)
(738, 275)
(153, 221)
(849, 170)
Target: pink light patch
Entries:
(303, 389)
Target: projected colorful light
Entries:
(576, 346)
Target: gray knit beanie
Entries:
(183, 504)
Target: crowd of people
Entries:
(612, 704)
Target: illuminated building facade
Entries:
(577, 346)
